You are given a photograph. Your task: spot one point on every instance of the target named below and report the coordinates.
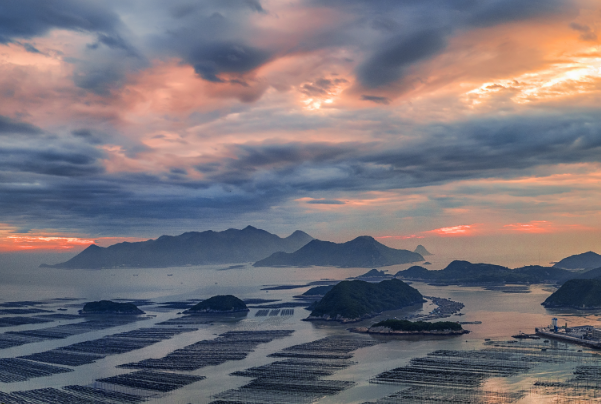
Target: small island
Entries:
(219, 304)
(350, 301)
(582, 294)
(406, 327)
(109, 307)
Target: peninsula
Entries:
(583, 294)
(587, 260)
(362, 252)
(355, 300)
(406, 327)
(227, 247)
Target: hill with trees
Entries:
(582, 294)
(354, 300)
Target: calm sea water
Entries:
(501, 314)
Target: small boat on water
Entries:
(522, 335)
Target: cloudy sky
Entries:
(455, 122)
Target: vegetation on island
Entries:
(318, 290)
(464, 272)
(353, 300)
(219, 304)
(406, 325)
(587, 260)
(576, 293)
(362, 252)
(109, 307)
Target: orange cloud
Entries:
(543, 226)
(401, 237)
(11, 241)
(462, 230)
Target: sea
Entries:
(491, 316)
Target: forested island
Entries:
(466, 273)
(354, 300)
(394, 326)
(109, 307)
(583, 294)
(362, 252)
(219, 304)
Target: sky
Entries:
(459, 124)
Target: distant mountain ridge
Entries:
(362, 252)
(192, 248)
(587, 260)
(464, 272)
(421, 250)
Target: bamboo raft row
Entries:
(20, 370)
(297, 379)
(23, 311)
(90, 351)
(18, 320)
(295, 369)
(70, 395)
(262, 313)
(186, 321)
(233, 345)
(420, 394)
(60, 316)
(152, 380)
(287, 312)
(274, 312)
(17, 338)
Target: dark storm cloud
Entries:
(325, 202)
(225, 57)
(586, 33)
(50, 161)
(32, 18)
(390, 62)
(53, 185)
(416, 31)
(376, 99)
(10, 126)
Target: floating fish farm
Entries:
(19, 370)
(457, 376)
(70, 395)
(152, 380)
(16, 338)
(90, 351)
(233, 345)
(298, 379)
(12, 321)
(421, 394)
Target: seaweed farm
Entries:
(298, 379)
(152, 380)
(233, 345)
(11, 339)
(459, 376)
(90, 351)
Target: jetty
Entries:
(586, 335)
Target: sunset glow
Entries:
(400, 120)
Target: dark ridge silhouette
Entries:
(362, 252)
(192, 248)
(582, 294)
(464, 272)
(587, 260)
(421, 250)
(110, 307)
